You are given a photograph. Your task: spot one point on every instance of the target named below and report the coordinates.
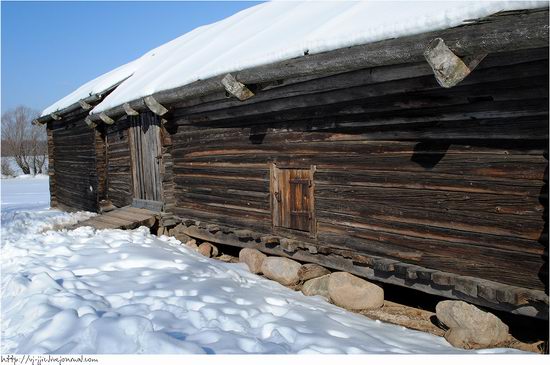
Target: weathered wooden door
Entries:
(145, 147)
(292, 200)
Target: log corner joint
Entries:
(448, 68)
(236, 88)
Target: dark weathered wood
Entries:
(423, 176)
(123, 218)
(146, 155)
(75, 152)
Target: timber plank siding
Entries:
(446, 179)
(73, 150)
(120, 186)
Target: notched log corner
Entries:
(448, 68)
(235, 88)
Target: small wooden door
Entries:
(292, 200)
(145, 148)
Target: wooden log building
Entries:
(420, 161)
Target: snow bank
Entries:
(113, 291)
(277, 31)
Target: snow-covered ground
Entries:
(113, 291)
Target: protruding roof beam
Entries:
(85, 105)
(155, 106)
(129, 110)
(448, 68)
(106, 119)
(236, 88)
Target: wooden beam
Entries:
(235, 88)
(129, 110)
(55, 116)
(106, 119)
(448, 68)
(89, 122)
(85, 105)
(155, 106)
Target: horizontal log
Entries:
(470, 221)
(450, 235)
(511, 83)
(484, 263)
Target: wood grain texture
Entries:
(75, 151)
(446, 179)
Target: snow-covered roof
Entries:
(278, 31)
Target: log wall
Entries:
(447, 179)
(72, 149)
(119, 164)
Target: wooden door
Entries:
(292, 202)
(145, 148)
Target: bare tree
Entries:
(24, 141)
(6, 168)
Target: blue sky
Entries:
(51, 48)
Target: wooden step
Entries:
(122, 218)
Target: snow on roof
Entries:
(94, 86)
(277, 31)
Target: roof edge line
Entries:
(498, 32)
(91, 100)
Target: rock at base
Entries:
(311, 271)
(253, 259)
(350, 292)
(207, 249)
(281, 269)
(178, 233)
(469, 326)
(317, 286)
(192, 244)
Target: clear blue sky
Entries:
(51, 48)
